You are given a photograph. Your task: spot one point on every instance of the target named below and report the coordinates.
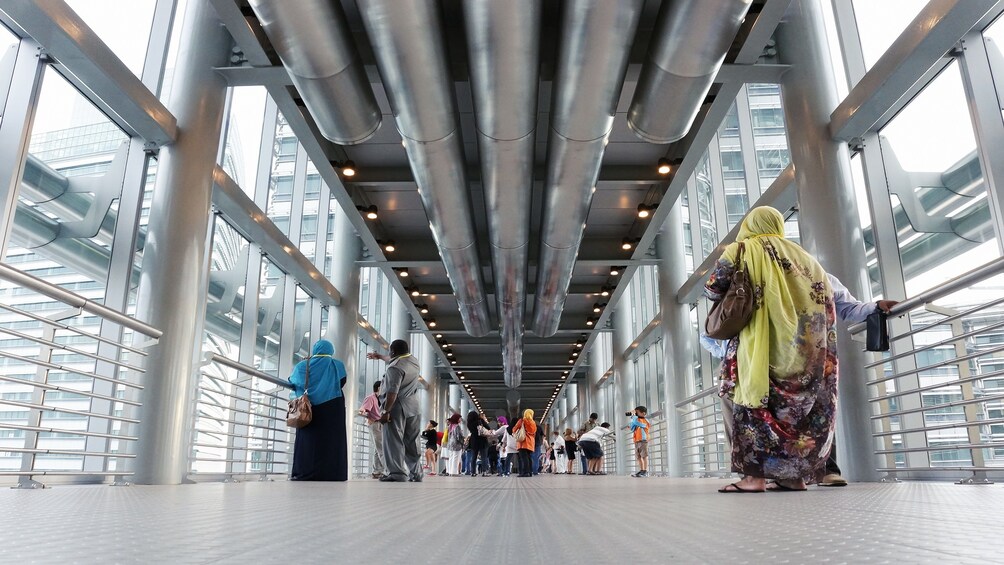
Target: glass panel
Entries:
(769, 139)
(280, 189)
(880, 23)
(301, 326)
(936, 186)
(243, 136)
(225, 301)
(172, 51)
(270, 298)
(993, 38)
(311, 204)
(705, 206)
(124, 26)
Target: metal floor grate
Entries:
(589, 520)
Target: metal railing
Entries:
(362, 448)
(240, 423)
(74, 417)
(704, 447)
(609, 445)
(658, 446)
(938, 396)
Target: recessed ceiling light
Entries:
(664, 167)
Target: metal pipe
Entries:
(596, 41)
(313, 40)
(408, 42)
(216, 358)
(689, 45)
(503, 42)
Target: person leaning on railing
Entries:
(320, 450)
(848, 309)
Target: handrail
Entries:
(215, 358)
(952, 286)
(62, 295)
(703, 394)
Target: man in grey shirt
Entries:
(402, 418)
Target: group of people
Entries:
(320, 449)
(778, 384)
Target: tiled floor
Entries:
(461, 520)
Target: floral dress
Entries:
(790, 436)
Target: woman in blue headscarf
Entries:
(320, 452)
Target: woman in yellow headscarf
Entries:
(780, 372)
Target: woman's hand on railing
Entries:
(886, 305)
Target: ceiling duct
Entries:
(595, 44)
(503, 42)
(407, 39)
(314, 43)
(689, 44)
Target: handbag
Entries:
(730, 315)
(877, 332)
(520, 433)
(299, 412)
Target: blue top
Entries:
(327, 374)
(636, 424)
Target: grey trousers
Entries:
(400, 445)
(376, 432)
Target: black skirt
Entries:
(320, 452)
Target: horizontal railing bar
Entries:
(213, 460)
(66, 473)
(63, 347)
(960, 282)
(948, 426)
(48, 386)
(704, 393)
(62, 295)
(953, 361)
(243, 473)
(236, 448)
(928, 449)
(948, 319)
(44, 429)
(228, 434)
(249, 370)
(47, 408)
(936, 406)
(56, 367)
(42, 451)
(951, 468)
(70, 328)
(243, 386)
(929, 346)
(956, 382)
(240, 399)
(250, 425)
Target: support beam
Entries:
(883, 90)
(85, 61)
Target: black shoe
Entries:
(392, 479)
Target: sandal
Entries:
(777, 486)
(735, 488)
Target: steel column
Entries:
(343, 329)
(173, 282)
(828, 217)
(676, 330)
(624, 373)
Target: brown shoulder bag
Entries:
(730, 315)
(299, 413)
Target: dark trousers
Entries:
(831, 461)
(525, 464)
(505, 464)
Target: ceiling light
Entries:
(570, 361)
(644, 211)
(597, 308)
(449, 354)
(578, 345)
(403, 273)
(389, 246)
(562, 377)
(348, 168)
(575, 354)
(370, 212)
(431, 323)
(461, 377)
(414, 292)
(439, 336)
(454, 362)
(664, 167)
(423, 308)
(566, 372)
(628, 243)
(444, 345)
(590, 321)
(605, 291)
(616, 271)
